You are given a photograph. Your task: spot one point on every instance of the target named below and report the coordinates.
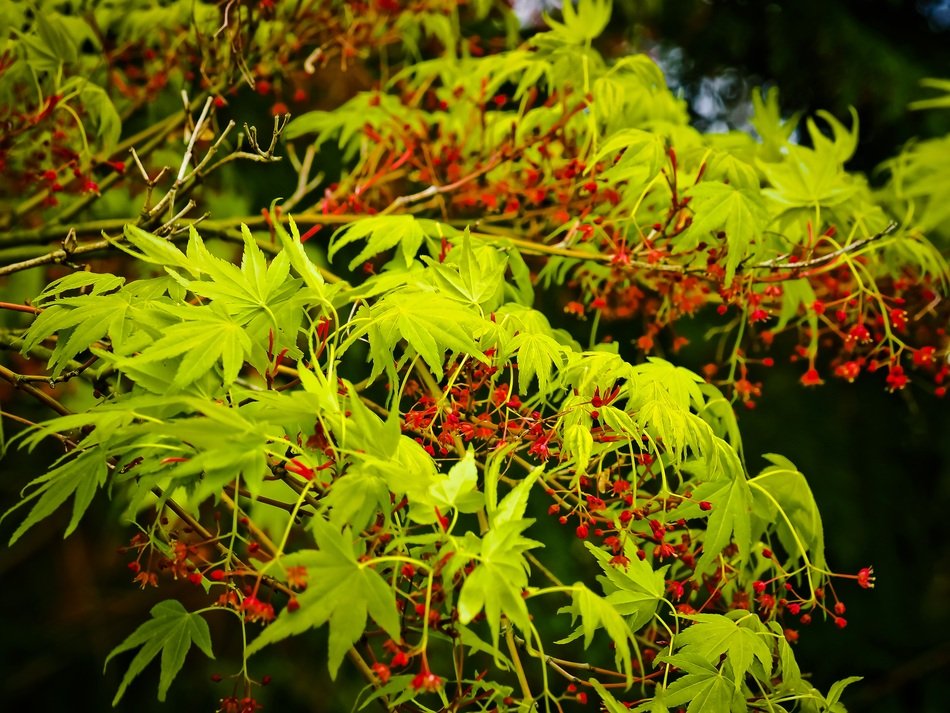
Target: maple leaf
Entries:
(171, 631)
(79, 476)
(342, 592)
(430, 323)
(739, 212)
(712, 635)
(598, 612)
(497, 582)
(634, 590)
(703, 688)
(783, 496)
(730, 518)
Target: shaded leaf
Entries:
(171, 631)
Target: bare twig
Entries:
(14, 379)
(167, 227)
(776, 264)
(169, 198)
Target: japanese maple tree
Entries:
(350, 409)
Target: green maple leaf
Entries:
(634, 590)
(497, 582)
(712, 635)
(538, 354)
(384, 232)
(783, 495)
(81, 477)
(643, 155)
(730, 518)
(207, 335)
(342, 592)
(806, 178)
(682, 386)
(703, 688)
(598, 612)
(255, 290)
(475, 275)
(80, 321)
(171, 631)
(740, 212)
(430, 323)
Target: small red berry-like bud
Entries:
(582, 697)
(839, 608)
(819, 593)
(218, 575)
(134, 566)
(758, 586)
(768, 361)
(216, 677)
(794, 609)
(767, 553)
(562, 519)
(705, 506)
(791, 636)
(805, 619)
(582, 531)
(553, 510)
(293, 605)
(382, 672)
(625, 517)
(265, 680)
(195, 578)
(841, 622)
(866, 578)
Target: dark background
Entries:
(879, 463)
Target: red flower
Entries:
(924, 356)
(758, 315)
(896, 378)
(849, 370)
(859, 333)
(811, 378)
(382, 672)
(866, 577)
(425, 680)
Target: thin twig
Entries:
(14, 379)
(773, 264)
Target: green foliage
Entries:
(342, 593)
(358, 431)
(171, 631)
